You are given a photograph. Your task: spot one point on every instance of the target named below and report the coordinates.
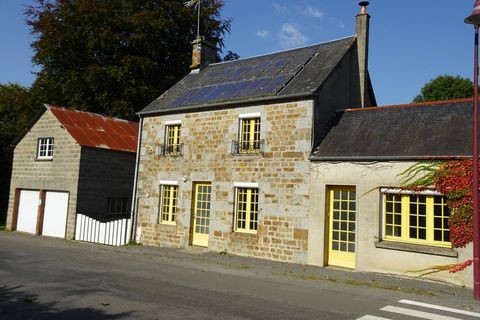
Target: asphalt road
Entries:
(44, 278)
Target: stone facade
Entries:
(373, 254)
(57, 174)
(282, 174)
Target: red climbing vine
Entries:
(454, 180)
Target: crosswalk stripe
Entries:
(369, 317)
(418, 314)
(432, 306)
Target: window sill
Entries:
(416, 248)
(44, 159)
(248, 154)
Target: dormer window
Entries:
(45, 149)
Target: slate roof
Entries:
(293, 73)
(433, 130)
(97, 131)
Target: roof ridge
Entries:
(283, 51)
(407, 105)
(71, 109)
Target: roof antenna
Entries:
(197, 3)
(364, 5)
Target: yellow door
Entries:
(201, 214)
(341, 227)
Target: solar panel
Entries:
(276, 66)
(274, 85)
(254, 87)
(235, 90)
(238, 73)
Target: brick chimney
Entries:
(203, 53)
(362, 30)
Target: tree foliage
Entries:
(445, 87)
(16, 110)
(115, 57)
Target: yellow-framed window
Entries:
(416, 218)
(172, 138)
(168, 203)
(249, 135)
(246, 210)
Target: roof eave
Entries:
(226, 104)
(386, 158)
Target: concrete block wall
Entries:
(58, 174)
(282, 174)
(368, 178)
(104, 174)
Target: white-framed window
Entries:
(45, 148)
(246, 207)
(117, 206)
(418, 218)
(168, 202)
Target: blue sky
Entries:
(411, 41)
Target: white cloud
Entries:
(279, 8)
(263, 33)
(291, 37)
(312, 11)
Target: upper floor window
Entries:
(168, 202)
(172, 144)
(249, 141)
(117, 205)
(45, 148)
(246, 208)
(416, 218)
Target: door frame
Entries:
(327, 242)
(195, 184)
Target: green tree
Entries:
(445, 87)
(16, 110)
(115, 57)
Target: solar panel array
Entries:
(241, 80)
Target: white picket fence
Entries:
(114, 233)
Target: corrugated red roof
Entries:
(97, 131)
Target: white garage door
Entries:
(55, 214)
(28, 211)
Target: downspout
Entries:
(133, 215)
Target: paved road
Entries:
(44, 278)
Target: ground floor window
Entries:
(168, 203)
(416, 218)
(246, 209)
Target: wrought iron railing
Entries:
(170, 150)
(248, 147)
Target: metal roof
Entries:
(97, 131)
(297, 72)
(432, 130)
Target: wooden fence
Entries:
(114, 233)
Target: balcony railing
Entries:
(171, 150)
(248, 147)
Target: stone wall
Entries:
(58, 174)
(282, 174)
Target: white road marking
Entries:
(418, 314)
(432, 306)
(369, 317)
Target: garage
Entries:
(53, 214)
(28, 211)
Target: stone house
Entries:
(224, 153)
(68, 162)
(360, 218)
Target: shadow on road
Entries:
(17, 304)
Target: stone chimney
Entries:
(362, 30)
(203, 54)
